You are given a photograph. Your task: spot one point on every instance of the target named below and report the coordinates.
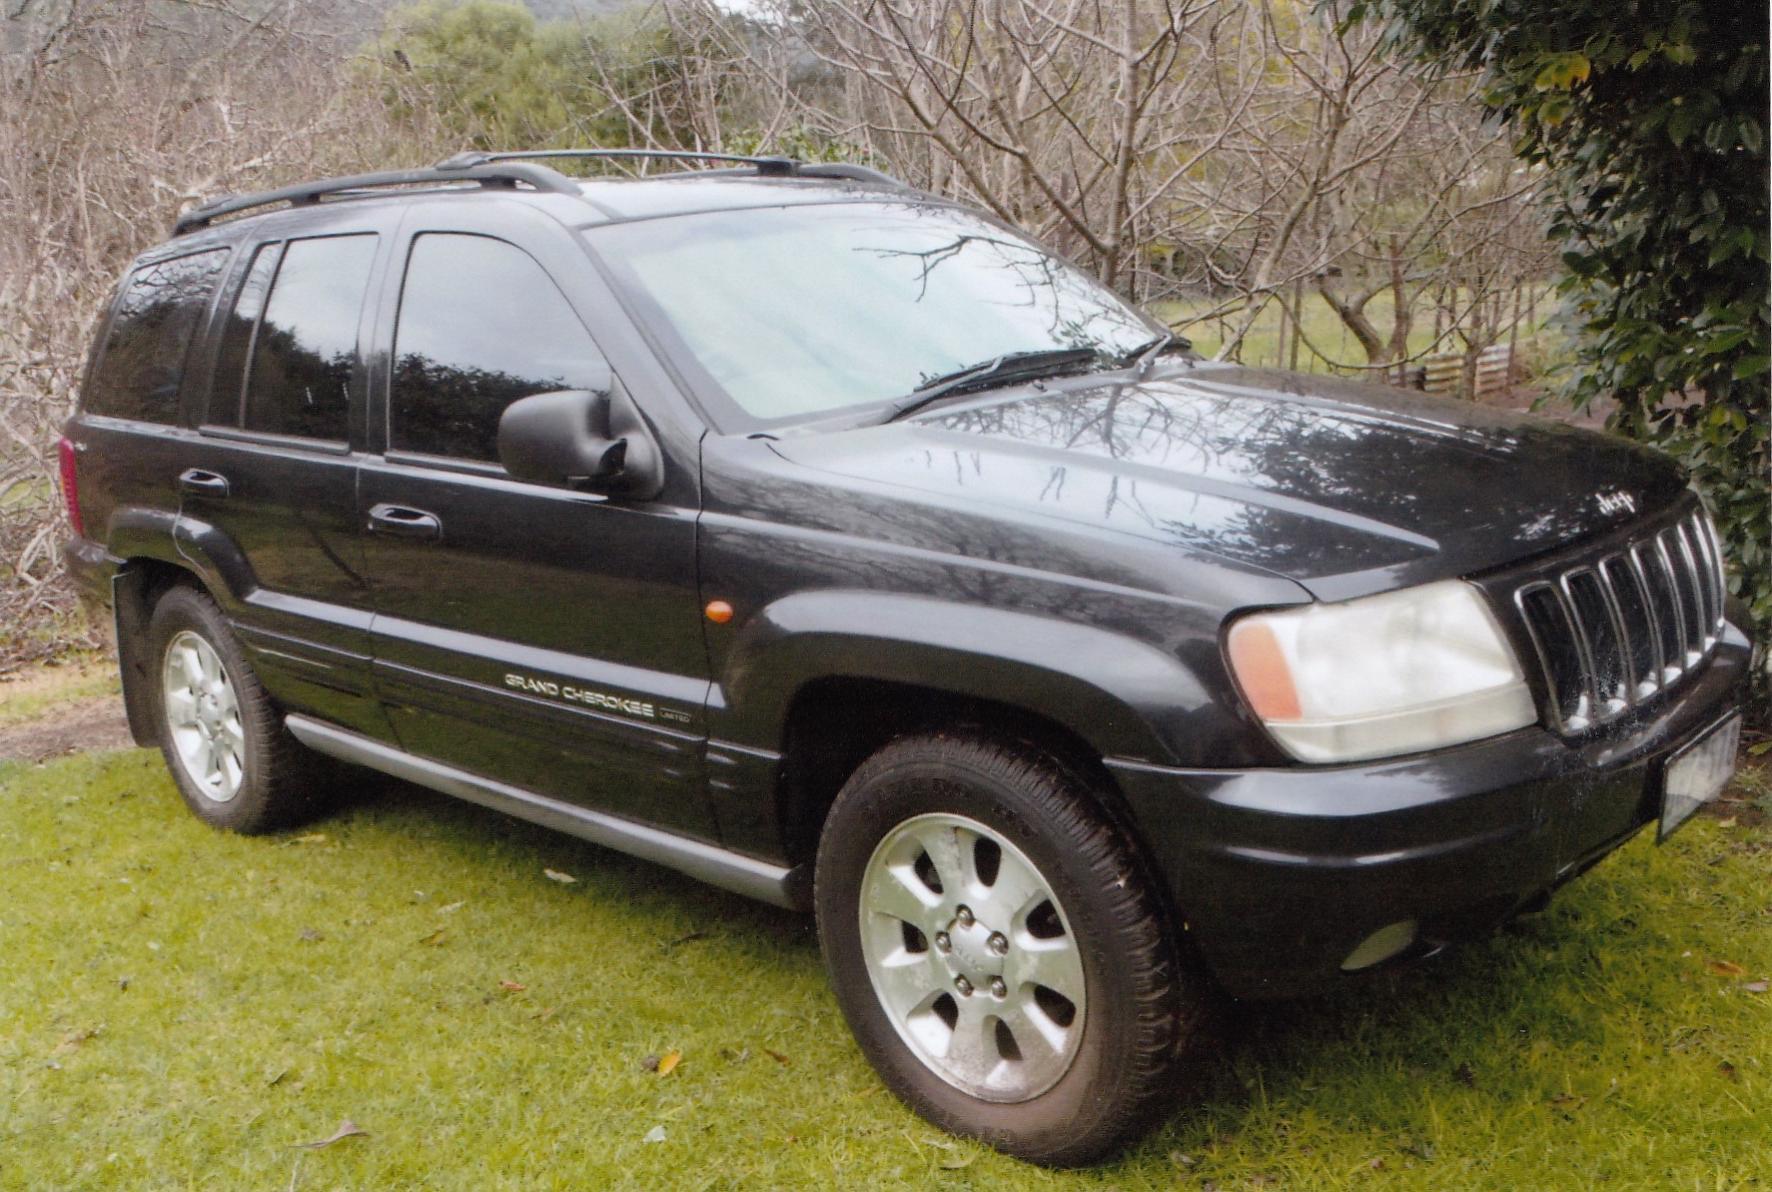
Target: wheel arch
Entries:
(136, 588)
(1122, 695)
(836, 722)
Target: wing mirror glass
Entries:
(580, 438)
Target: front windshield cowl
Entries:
(786, 315)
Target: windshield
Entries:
(789, 313)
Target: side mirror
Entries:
(580, 439)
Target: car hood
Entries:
(1343, 487)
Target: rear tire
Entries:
(997, 950)
(233, 762)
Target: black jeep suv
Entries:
(838, 545)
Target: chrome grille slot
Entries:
(1607, 658)
(1615, 632)
(1664, 604)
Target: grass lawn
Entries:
(1325, 330)
(180, 1008)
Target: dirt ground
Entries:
(93, 724)
(51, 711)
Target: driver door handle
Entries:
(400, 521)
(198, 483)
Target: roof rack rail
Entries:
(305, 193)
(767, 167)
(507, 170)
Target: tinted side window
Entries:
(305, 352)
(481, 325)
(236, 338)
(143, 361)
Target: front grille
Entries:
(1615, 632)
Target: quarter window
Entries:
(304, 352)
(143, 363)
(236, 337)
(481, 325)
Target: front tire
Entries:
(997, 951)
(233, 762)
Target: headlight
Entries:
(1383, 675)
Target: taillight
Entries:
(71, 486)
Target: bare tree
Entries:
(1074, 118)
(118, 113)
(1239, 152)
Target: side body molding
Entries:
(706, 862)
(1110, 689)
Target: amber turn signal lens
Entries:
(1261, 669)
(718, 611)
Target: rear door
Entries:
(132, 435)
(268, 510)
(544, 637)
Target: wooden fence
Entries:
(1445, 373)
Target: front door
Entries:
(544, 637)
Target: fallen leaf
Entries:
(436, 938)
(1726, 968)
(276, 1078)
(1181, 1160)
(512, 986)
(656, 1134)
(1756, 987)
(778, 1057)
(452, 907)
(668, 1062)
(956, 1162)
(554, 875)
(346, 1129)
(73, 1039)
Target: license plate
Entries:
(1698, 774)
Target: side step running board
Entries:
(706, 862)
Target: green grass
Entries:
(179, 1008)
(1324, 330)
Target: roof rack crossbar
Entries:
(768, 167)
(487, 174)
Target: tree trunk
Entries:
(1353, 317)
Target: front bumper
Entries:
(1279, 875)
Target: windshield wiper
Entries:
(1141, 358)
(1011, 366)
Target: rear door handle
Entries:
(198, 483)
(400, 521)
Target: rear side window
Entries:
(236, 337)
(143, 363)
(481, 325)
(293, 335)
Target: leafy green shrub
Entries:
(496, 78)
(1649, 117)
